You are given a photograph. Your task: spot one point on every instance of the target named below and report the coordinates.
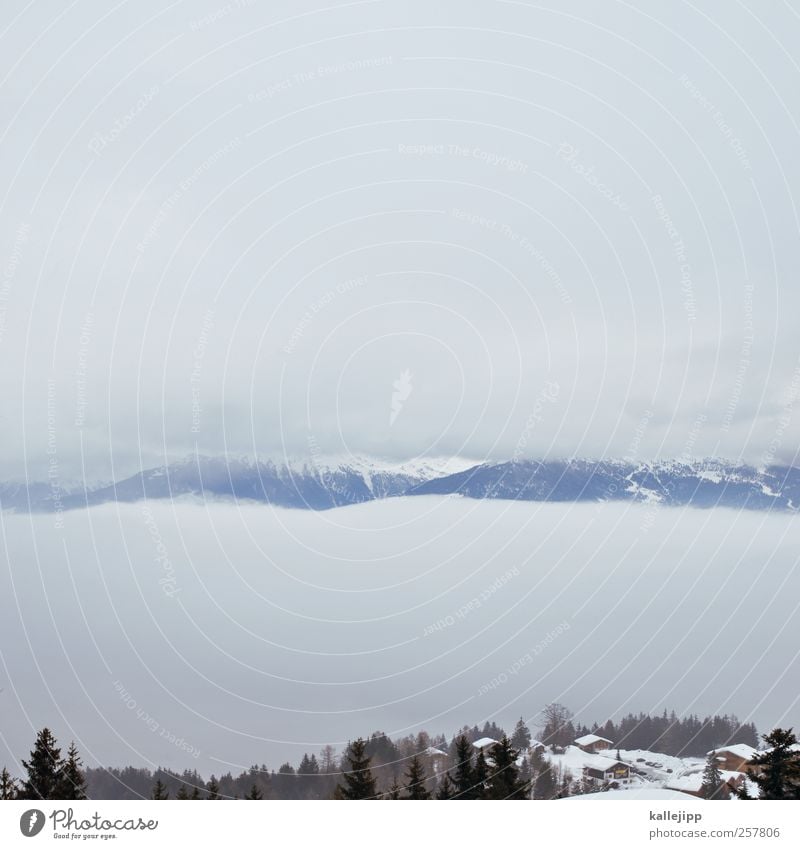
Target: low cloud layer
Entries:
(217, 636)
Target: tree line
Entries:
(414, 767)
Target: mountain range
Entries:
(325, 483)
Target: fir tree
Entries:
(464, 778)
(71, 779)
(504, 782)
(481, 777)
(8, 786)
(415, 781)
(195, 792)
(777, 770)
(254, 793)
(394, 790)
(359, 783)
(213, 789)
(43, 769)
(544, 786)
(521, 738)
(182, 793)
(160, 790)
(712, 787)
(446, 788)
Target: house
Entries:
(485, 745)
(593, 743)
(436, 760)
(692, 782)
(607, 771)
(735, 758)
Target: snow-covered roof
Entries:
(434, 752)
(484, 742)
(693, 781)
(588, 739)
(739, 750)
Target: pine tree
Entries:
(8, 785)
(43, 769)
(182, 793)
(777, 770)
(415, 781)
(712, 786)
(544, 785)
(521, 738)
(481, 777)
(160, 790)
(504, 780)
(446, 788)
(213, 789)
(71, 778)
(254, 793)
(359, 783)
(394, 790)
(464, 778)
(195, 792)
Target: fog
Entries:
(217, 636)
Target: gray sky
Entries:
(271, 210)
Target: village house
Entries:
(607, 771)
(692, 783)
(436, 760)
(485, 745)
(593, 743)
(735, 758)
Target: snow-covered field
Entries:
(212, 635)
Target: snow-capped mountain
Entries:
(323, 483)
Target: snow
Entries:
(628, 793)
(484, 742)
(739, 750)
(691, 782)
(588, 739)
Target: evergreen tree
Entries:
(195, 792)
(71, 779)
(544, 786)
(182, 793)
(8, 786)
(464, 779)
(777, 770)
(415, 781)
(254, 793)
(521, 738)
(481, 775)
(160, 790)
(526, 777)
(394, 790)
(43, 769)
(359, 783)
(446, 788)
(712, 787)
(504, 781)
(213, 789)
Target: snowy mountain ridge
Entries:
(325, 482)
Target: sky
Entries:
(234, 227)
(471, 228)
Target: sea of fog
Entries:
(215, 636)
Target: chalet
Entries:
(607, 771)
(593, 743)
(436, 760)
(735, 758)
(485, 745)
(692, 783)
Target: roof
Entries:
(740, 750)
(692, 782)
(434, 752)
(484, 742)
(588, 739)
